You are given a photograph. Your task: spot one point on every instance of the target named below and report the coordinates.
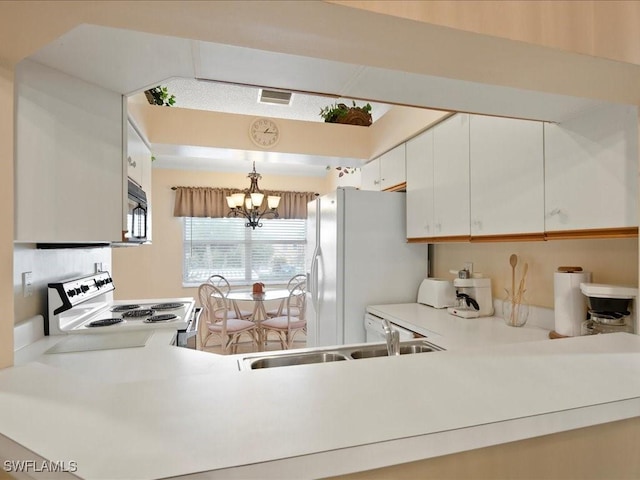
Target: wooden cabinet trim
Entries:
(624, 232)
(401, 187)
(449, 239)
(511, 237)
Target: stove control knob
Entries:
(78, 291)
(84, 288)
(71, 292)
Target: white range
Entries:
(85, 305)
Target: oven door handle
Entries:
(192, 328)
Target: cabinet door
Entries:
(507, 176)
(139, 169)
(393, 171)
(591, 169)
(451, 176)
(419, 154)
(69, 165)
(135, 153)
(370, 175)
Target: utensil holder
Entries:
(515, 311)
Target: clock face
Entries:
(264, 132)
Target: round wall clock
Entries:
(264, 132)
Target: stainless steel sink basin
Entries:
(331, 354)
(298, 359)
(382, 352)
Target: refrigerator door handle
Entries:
(313, 281)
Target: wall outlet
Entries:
(99, 267)
(27, 284)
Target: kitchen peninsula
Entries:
(162, 411)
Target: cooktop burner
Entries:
(165, 317)
(167, 306)
(124, 308)
(105, 322)
(146, 312)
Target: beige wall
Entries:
(613, 261)
(604, 28)
(6, 216)
(155, 271)
(180, 126)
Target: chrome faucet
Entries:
(393, 338)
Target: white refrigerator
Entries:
(357, 255)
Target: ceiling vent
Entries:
(274, 97)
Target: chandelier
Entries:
(248, 203)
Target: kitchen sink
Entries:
(382, 352)
(299, 359)
(331, 354)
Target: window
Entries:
(272, 253)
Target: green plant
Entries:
(339, 111)
(160, 96)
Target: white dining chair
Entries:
(281, 310)
(286, 326)
(224, 286)
(216, 323)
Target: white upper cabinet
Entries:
(419, 152)
(135, 151)
(451, 176)
(138, 159)
(370, 175)
(507, 176)
(69, 165)
(591, 170)
(139, 170)
(393, 171)
(386, 172)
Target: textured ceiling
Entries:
(230, 98)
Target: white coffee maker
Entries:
(474, 298)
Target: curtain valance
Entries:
(212, 202)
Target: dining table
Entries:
(259, 310)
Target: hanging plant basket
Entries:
(354, 115)
(160, 96)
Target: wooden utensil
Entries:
(521, 286)
(513, 260)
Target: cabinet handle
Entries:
(131, 162)
(376, 182)
(554, 212)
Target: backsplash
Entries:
(612, 261)
(48, 265)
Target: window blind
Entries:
(272, 253)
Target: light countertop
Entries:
(451, 332)
(167, 411)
